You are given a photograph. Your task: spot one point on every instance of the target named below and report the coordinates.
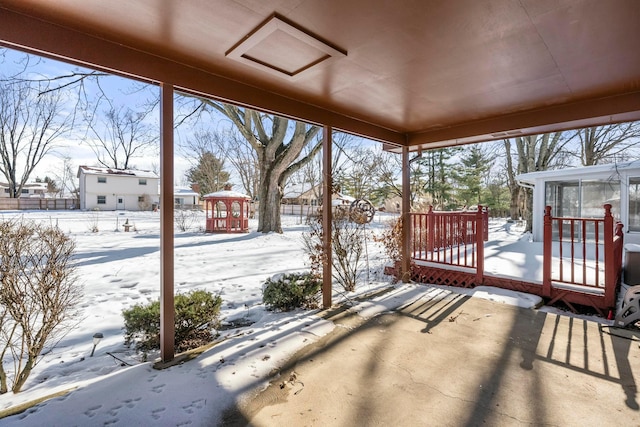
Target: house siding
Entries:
(117, 186)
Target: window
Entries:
(142, 181)
(140, 199)
(634, 204)
(6, 190)
(102, 200)
(102, 179)
(24, 191)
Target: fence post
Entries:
(547, 253)
(610, 272)
(480, 226)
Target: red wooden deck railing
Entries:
(450, 237)
(582, 257)
(588, 253)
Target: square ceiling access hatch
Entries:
(280, 48)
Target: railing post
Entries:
(430, 229)
(486, 224)
(610, 272)
(480, 246)
(546, 253)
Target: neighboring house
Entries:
(35, 189)
(301, 194)
(582, 192)
(114, 189)
(186, 197)
(392, 204)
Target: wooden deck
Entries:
(579, 263)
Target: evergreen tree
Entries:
(438, 166)
(209, 173)
(471, 176)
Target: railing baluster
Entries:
(597, 238)
(573, 233)
(560, 233)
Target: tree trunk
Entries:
(3, 379)
(22, 377)
(270, 196)
(278, 147)
(528, 211)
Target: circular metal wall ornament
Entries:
(361, 211)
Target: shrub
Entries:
(185, 219)
(144, 202)
(348, 243)
(391, 239)
(38, 296)
(289, 291)
(196, 317)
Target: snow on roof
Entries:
(90, 170)
(30, 185)
(184, 191)
(584, 171)
(340, 199)
(226, 194)
(292, 191)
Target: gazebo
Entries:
(227, 211)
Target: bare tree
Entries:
(121, 135)
(66, 178)
(278, 144)
(244, 159)
(609, 143)
(532, 153)
(31, 123)
(311, 172)
(38, 295)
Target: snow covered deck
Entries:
(445, 251)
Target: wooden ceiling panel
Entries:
(413, 70)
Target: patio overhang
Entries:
(421, 74)
(413, 75)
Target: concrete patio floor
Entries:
(451, 360)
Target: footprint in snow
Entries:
(91, 412)
(129, 285)
(158, 388)
(156, 413)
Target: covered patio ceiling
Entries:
(422, 74)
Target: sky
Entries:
(123, 91)
(119, 269)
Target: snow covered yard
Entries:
(119, 269)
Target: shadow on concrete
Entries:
(448, 359)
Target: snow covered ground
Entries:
(119, 269)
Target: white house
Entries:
(582, 192)
(34, 189)
(114, 189)
(186, 197)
